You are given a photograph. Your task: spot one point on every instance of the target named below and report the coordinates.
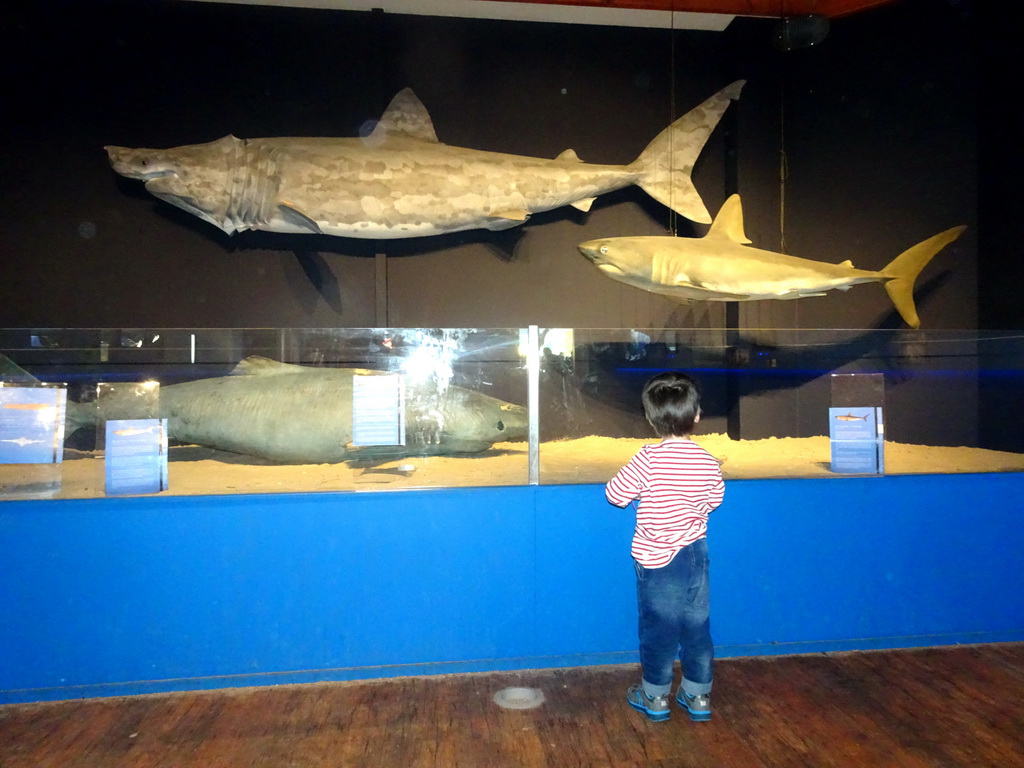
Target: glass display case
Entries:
(235, 411)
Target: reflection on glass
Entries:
(243, 405)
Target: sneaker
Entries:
(656, 709)
(698, 706)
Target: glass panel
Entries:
(271, 410)
(953, 399)
(31, 434)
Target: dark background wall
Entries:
(901, 124)
(877, 126)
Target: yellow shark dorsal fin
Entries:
(846, 263)
(405, 116)
(729, 221)
(569, 155)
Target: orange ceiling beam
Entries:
(772, 8)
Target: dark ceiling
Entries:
(775, 8)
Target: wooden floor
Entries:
(928, 708)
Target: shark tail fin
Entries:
(904, 269)
(665, 165)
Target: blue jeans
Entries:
(673, 607)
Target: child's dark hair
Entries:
(671, 403)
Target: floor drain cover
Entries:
(519, 698)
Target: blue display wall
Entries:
(136, 595)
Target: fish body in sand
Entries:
(304, 415)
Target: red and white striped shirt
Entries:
(678, 483)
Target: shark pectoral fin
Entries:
(513, 215)
(584, 204)
(294, 216)
(704, 293)
(454, 445)
(725, 295)
(569, 155)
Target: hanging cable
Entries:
(672, 218)
(783, 159)
(783, 166)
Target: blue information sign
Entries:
(136, 456)
(32, 424)
(857, 440)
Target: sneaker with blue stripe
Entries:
(699, 707)
(656, 709)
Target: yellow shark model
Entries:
(400, 181)
(722, 267)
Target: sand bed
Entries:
(196, 471)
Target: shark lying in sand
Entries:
(400, 181)
(304, 415)
(722, 267)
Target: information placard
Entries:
(378, 410)
(32, 424)
(855, 426)
(136, 456)
(856, 436)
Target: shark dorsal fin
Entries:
(570, 155)
(729, 221)
(257, 365)
(405, 116)
(846, 263)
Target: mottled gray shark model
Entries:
(721, 267)
(303, 415)
(400, 181)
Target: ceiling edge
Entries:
(515, 11)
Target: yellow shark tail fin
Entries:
(904, 269)
(666, 163)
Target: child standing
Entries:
(677, 483)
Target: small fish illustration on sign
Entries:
(135, 432)
(851, 417)
(21, 442)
